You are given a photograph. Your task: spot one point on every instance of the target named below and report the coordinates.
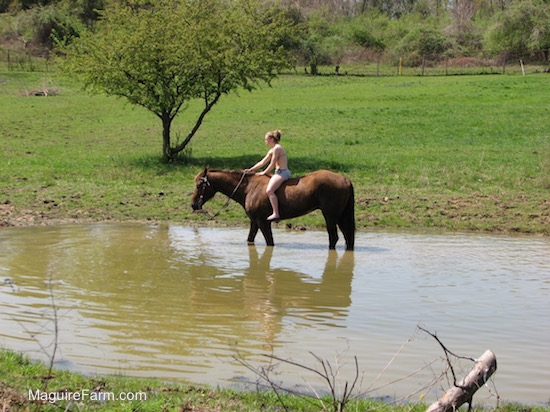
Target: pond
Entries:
(199, 305)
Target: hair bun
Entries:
(276, 134)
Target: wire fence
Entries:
(442, 69)
(22, 60)
(524, 62)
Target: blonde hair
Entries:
(275, 134)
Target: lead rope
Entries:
(229, 197)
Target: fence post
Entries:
(522, 68)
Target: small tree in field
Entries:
(163, 54)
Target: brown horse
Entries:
(325, 190)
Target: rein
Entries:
(206, 182)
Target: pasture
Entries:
(451, 152)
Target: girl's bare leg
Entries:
(272, 186)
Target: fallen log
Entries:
(464, 391)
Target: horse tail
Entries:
(347, 219)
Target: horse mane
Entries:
(238, 172)
(226, 171)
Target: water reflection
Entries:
(178, 302)
(274, 293)
(142, 296)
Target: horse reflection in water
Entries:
(330, 192)
(273, 293)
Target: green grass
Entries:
(22, 380)
(450, 152)
(111, 393)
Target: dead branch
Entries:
(326, 372)
(463, 392)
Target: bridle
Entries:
(204, 182)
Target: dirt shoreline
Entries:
(10, 216)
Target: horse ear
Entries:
(206, 170)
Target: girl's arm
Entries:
(262, 162)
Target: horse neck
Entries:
(226, 182)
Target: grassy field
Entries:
(451, 152)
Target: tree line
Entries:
(334, 32)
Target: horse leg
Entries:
(347, 226)
(349, 234)
(332, 233)
(346, 221)
(252, 232)
(265, 227)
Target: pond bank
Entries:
(28, 385)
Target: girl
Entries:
(277, 159)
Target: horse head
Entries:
(203, 190)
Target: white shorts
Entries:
(284, 173)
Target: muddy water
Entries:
(181, 303)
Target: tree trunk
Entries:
(423, 63)
(167, 154)
(313, 67)
(464, 391)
